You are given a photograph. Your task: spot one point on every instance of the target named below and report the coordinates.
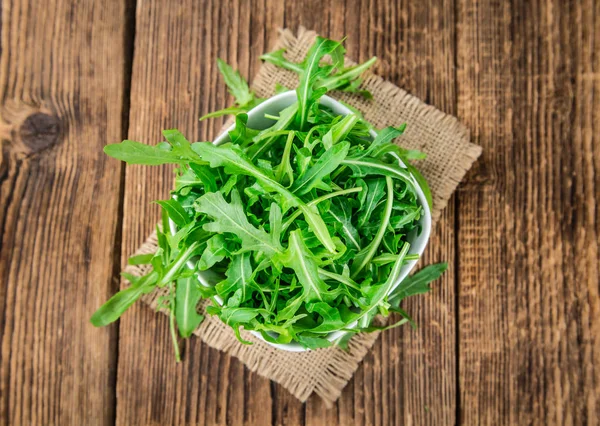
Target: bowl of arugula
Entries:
(300, 223)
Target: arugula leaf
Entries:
(311, 72)
(277, 58)
(236, 84)
(300, 259)
(171, 271)
(225, 111)
(346, 76)
(312, 342)
(214, 252)
(120, 302)
(230, 217)
(331, 319)
(369, 166)
(346, 79)
(340, 130)
(384, 138)
(285, 168)
(187, 297)
(286, 117)
(365, 255)
(326, 164)
(422, 183)
(239, 275)
(242, 133)
(380, 292)
(370, 199)
(140, 259)
(175, 211)
(417, 283)
(343, 216)
(136, 153)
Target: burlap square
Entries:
(449, 156)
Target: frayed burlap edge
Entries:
(450, 154)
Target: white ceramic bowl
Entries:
(257, 120)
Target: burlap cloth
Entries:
(449, 156)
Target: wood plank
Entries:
(62, 84)
(528, 221)
(175, 80)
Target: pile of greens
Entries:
(307, 221)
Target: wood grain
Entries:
(62, 91)
(528, 220)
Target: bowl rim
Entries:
(417, 246)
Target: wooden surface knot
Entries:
(28, 129)
(39, 132)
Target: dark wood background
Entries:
(511, 335)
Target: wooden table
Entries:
(511, 335)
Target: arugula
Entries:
(245, 99)
(345, 79)
(311, 72)
(304, 226)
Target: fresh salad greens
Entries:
(306, 222)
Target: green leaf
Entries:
(340, 130)
(277, 58)
(241, 132)
(379, 293)
(178, 141)
(285, 167)
(175, 212)
(120, 302)
(363, 258)
(232, 316)
(197, 175)
(311, 342)
(137, 153)
(299, 258)
(280, 88)
(187, 297)
(344, 340)
(331, 319)
(418, 283)
(346, 76)
(171, 271)
(318, 200)
(311, 72)
(422, 183)
(239, 276)
(230, 217)
(345, 79)
(224, 111)
(238, 87)
(141, 259)
(286, 117)
(326, 164)
(343, 215)
(215, 251)
(369, 166)
(375, 191)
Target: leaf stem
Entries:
(172, 324)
